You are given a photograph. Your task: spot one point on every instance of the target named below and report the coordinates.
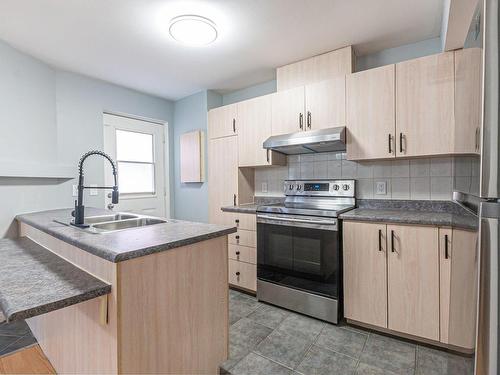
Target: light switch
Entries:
(381, 187)
(75, 190)
(264, 187)
(93, 191)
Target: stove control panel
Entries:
(325, 188)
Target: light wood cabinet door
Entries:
(413, 280)
(243, 275)
(425, 106)
(468, 95)
(365, 273)
(242, 253)
(222, 121)
(458, 287)
(254, 127)
(288, 111)
(325, 104)
(222, 176)
(244, 238)
(371, 114)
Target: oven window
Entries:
(301, 258)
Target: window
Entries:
(135, 158)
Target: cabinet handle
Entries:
(446, 252)
(401, 142)
(234, 199)
(477, 140)
(301, 120)
(392, 242)
(234, 125)
(238, 273)
(390, 143)
(238, 254)
(309, 119)
(237, 221)
(267, 155)
(380, 240)
(237, 237)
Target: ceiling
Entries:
(126, 41)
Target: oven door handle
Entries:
(277, 218)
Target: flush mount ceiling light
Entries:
(193, 30)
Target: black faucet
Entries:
(79, 212)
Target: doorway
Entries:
(138, 147)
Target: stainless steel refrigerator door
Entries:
(487, 349)
(490, 185)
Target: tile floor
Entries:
(15, 336)
(268, 340)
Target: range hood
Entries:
(308, 142)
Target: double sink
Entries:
(117, 222)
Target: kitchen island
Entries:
(167, 311)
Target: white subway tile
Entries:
(294, 170)
(462, 166)
(364, 188)
(420, 188)
(349, 169)
(441, 188)
(462, 184)
(382, 169)
(441, 167)
(400, 188)
(365, 169)
(420, 168)
(400, 168)
(334, 168)
(307, 170)
(321, 169)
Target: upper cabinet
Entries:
(222, 121)
(425, 105)
(315, 69)
(371, 115)
(288, 111)
(254, 127)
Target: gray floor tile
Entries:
(243, 305)
(437, 362)
(301, 326)
(19, 329)
(268, 315)
(364, 369)
(245, 333)
(21, 342)
(254, 364)
(285, 349)
(389, 354)
(342, 340)
(319, 361)
(233, 318)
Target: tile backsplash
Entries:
(429, 178)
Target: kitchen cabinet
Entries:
(222, 121)
(254, 127)
(222, 176)
(365, 273)
(244, 237)
(458, 287)
(288, 111)
(315, 69)
(413, 280)
(242, 253)
(371, 117)
(316, 106)
(425, 106)
(243, 275)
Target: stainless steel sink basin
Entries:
(106, 218)
(127, 224)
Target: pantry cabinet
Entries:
(222, 121)
(417, 281)
(371, 116)
(413, 280)
(254, 127)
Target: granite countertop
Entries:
(35, 281)
(439, 213)
(127, 244)
(251, 208)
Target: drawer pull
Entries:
(238, 254)
(237, 221)
(392, 241)
(380, 240)
(237, 237)
(238, 273)
(446, 253)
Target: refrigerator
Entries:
(484, 32)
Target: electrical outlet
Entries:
(93, 191)
(264, 187)
(381, 187)
(75, 190)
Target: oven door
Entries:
(300, 252)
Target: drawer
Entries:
(242, 253)
(241, 221)
(244, 238)
(243, 275)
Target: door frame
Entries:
(166, 150)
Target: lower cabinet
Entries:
(243, 275)
(415, 280)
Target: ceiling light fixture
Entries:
(193, 30)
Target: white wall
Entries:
(52, 116)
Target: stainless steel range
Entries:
(299, 252)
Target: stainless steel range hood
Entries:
(308, 142)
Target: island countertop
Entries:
(126, 244)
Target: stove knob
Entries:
(346, 187)
(290, 187)
(336, 187)
(299, 187)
